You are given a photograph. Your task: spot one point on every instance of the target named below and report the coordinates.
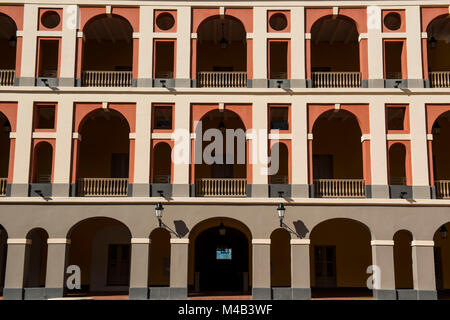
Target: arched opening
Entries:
(337, 156)
(442, 261)
(43, 163)
(101, 248)
(403, 261)
(438, 33)
(220, 258)
(280, 262)
(162, 163)
(107, 52)
(223, 169)
(340, 253)
(3, 255)
(8, 45)
(281, 176)
(5, 146)
(35, 260)
(221, 53)
(159, 274)
(397, 164)
(103, 165)
(441, 155)
(335, 53)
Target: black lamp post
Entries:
(159, 209)
(281, 209)
(443, 231)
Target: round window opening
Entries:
(50, 19)
(165, 21)
(278, 22)
(393, 21)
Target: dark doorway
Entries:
(221, 260)
(325, 266)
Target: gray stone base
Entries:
(144, 82)
(34, 294)
(164, 83)
(300, 191)
(274, 190)
(66, 82)
(19, 190)
(27, 81)
(380, 191)
(376, 83)
(416, 83)
(279, 83)
(159, 293)
(298, 83)
(51, 83)
(301, 293)
(261, 293)
(396, 83)
(368, 190)
(165, 188)
(182, 83)
(61, 190)
(421, 192)
(406, 294)
(52, 293)
(259, 191)
(281, 293)
(178, 293)
(257, 83)
(180, 190)
(141, 190)
(12, 293)
(385, 294)
(40, 190)
(138, 293)
(426, 294)
(400, 192)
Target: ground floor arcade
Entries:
(203, 250)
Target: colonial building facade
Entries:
(350, 99)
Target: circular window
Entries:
(50, 19)
(165, 21)
(393, 21)
(278, 22)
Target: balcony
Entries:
(103, 187)
(222, 79)
(107, 78)
(336, 79)
(3, 184)
(442, 189)
(440, 79)
(221, 187)
(7, 77)
(339, 188)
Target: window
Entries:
(48, 58)
(50, 19)
(394, 59)
(164, 59)
(162, 118)
(45, 117)
(396, 118)
(279, 118)
(278, 60)
(278, 22)
(165, 21)
(118, 265)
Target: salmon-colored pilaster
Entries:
(131, 161)
(310, 160)
(192, 166)
(12, 151)
(308, 58)
(425, 58)
(75, 158)
(364, 58)
(194, 58)
(19, 45)
(430, 162)
(366, 162)
(135, 58)
(250, 58)
(79, 58)
(249, 149)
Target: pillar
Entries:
(179, 268)
(139, 268)
(375, 47)
(414, 47)
(57, 254)
(259, 43)
(68, 50)
(15, 269)
(181, 169)
(259, 150)
(383, 272)
(300, 184)
(183, 63)
(423, 269)
(300, 273)
(298, 71)
(141, 186)
(145, 68)
(29, 45)
(261, 289)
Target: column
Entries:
(259, 147)
(423, 269)
(139, 268)
(63, 150)
(378, 156)
(145, 68)
(383, 272)
(141, 186)
(181, 186)
(19, 188)
(179, 268)
(300, 185)
(183, 63)
(57, 254)
(29, 45)
(419, 153)
(15, 269)
(259, 42)
(300, 273)
(414, 47)
(375, 47)
(298, 71)
(261, 289)
(68, 49)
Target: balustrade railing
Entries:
(442, 189)
(107, 78)
(222, 79)
(336, 79)
(210, 187)
(339, 188)
(7, 77)
(103, 187)
(3, 185)
(440, 79)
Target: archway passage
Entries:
(221, 259)
(5, 143)
(442, 261)
(162, 163)
(8, 44)
(36, 260)
(280, 259)
(159, 274)
(438, 33)
(441, 155)
(3, 255)
(281, 176)
(403, 261)
(101, 248)
(43, 163)
(397, 164)
(340, 254)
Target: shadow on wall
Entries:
(181, 228)
(300, 229)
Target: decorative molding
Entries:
(310, 136)
(193, 35)
(140, 241)
(18, 241)
(136, 35)
(59, 241)
(382, 242)
(422, 243)
(132, 136)
(308, 36)
(430, 137)
(12, 135)
(76, 135)
(179, 241)
(424, 35)
(44, 135)
(365, 137)
(162, 136)
(261, 241)
(300, 241)
(398, 136)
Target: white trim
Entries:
(430, 137)
(382, 242)
(394, 35)
(335, 11)
(284, 35)
(76, 135)
(19, 33)
(179, 241)
(300, 241)
(280, 136)
(365, 137)
(132, 136)
(136, 35)
(337, 106)
(44, 135)
(193, 136)
(250, 35)
(140, 241)
(193, 35)
(108, 10)
(58, 241)
(80, 34)
(310, 136)
(105, 105)
(307, 36)
(363, 36)
(424, 35)
(18, 241)
(162, 135)
(422, 243)
(398, 136)
(261, 241)
(222, 11)
(164, 35)
(12, 135)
